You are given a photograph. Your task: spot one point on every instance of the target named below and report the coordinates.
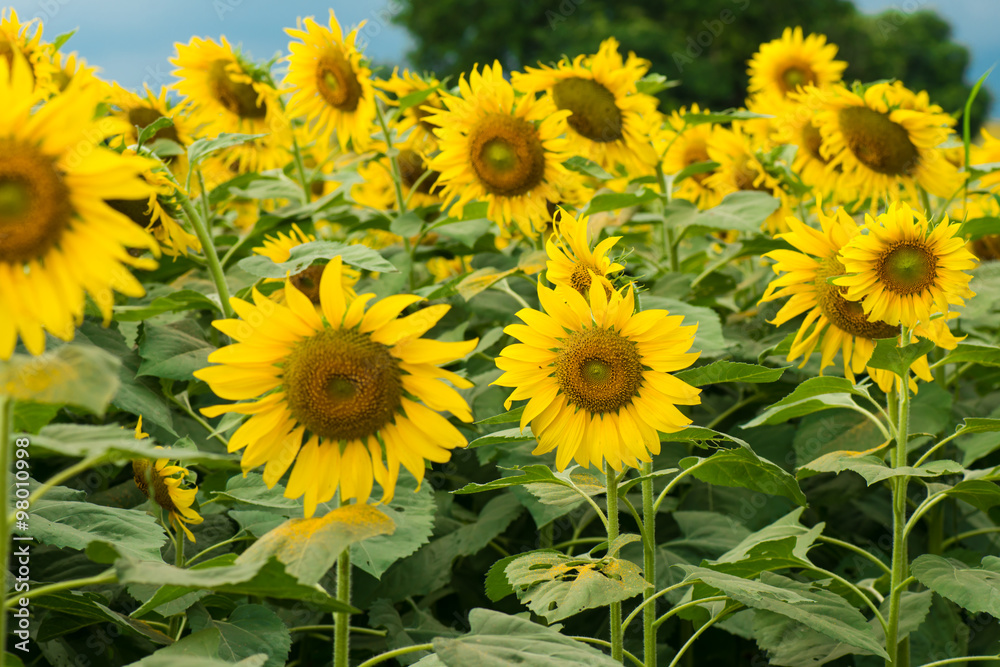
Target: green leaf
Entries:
(62, 39)
(729, 371)
(30, 416)
(708, 338)
(651, 84)
(198, 649)
(873, 468)
(975, 228)
(224, 575)
(582, 165)
(498, 640)
(742, 468)
(813, 395)
(171, 352)
(721, 117)
(497, 585)
(976, 589)
(415, 98)
(888, 355)
(556, 586)
(980, 493)
(178, 301)
(976, 448)
(251, 490)
(700, 435)
(530, 474)
(974, 352)
(413, 513)
(511, 416)
(80, 375)
(742, 211)
(201, 148)
(75, 524)
(148, 132)
(250, 630)
(135, 627)
(783, 544)
(409, 224)
(505, 437)
(817, 609)
(466, 232)
(309, 547)
(618, 200)
(693, 169)
(302, 256)
(82, 441)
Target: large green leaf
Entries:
(729, 371)
(618, 200)
(198, 649)
(82, 375)
(813, 395)
(974, 352)
(413, 513)
(508, 436)
(741, 211)
(974, 588)
(173, 351)
(741, 467)
(873, 468)
(302, 256)
(498, 640)
(309, 547)
(250, 630)
(982, 494)
(202, 148)
(888, 355)
(251, 490)
(80, 440)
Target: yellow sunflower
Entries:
(687, 145)
(331, 85)
(414, 118)
(571, 261)
(348, 396)
(377, 189)
(59, 240)
(157, 482)
(795, 124)
(610, 121)
(278, 248)
(884, 138)
(67, 67)
(134, 111)
(987, 153)
(225, 94)
(904, 273)
(26, 39)
(443, 268)
(782, 65)
(506, 150)
(598, 376)
(832, 322)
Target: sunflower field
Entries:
(308, 363)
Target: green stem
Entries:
(389, 655)
(331, 628)
(649, 566)
(712, 621)
(231, 540)
(600, 642)
(342, 620)
(651, 599)
(615, 607)
(968, 658)
(668, 240)
(687, 605)
(670, 486)
(858, 550)
(6, 454)
(898, 651)
(971, 533)
(106, 577)
(301, 170)
(58, 479)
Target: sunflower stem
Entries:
(397, 184)
(342, 620)
(6, 452)
(899, 653)
(668, 241)
(177, 537)
(300, 169)
(615, 607)
(106, 577)
(648, 566)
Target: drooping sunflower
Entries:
(611, 121)
(832, 323)
(226, 94)
(685, 145)
(26, 39)
(884, 138)
(571, 261)
(508, 151)
(782, 65)
(414, 118)
(59, 240)
(135, 112)
(902, 272)
(347, 396)
(330, 83)
(158, 482)
(598, 375)
(278, 248)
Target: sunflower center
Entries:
(745, 175)
(848, 316)
(137, 210)
(507, 155)
(307, 281)
(595, 114)
(811, 140)
(342, 385)
(237, 97)
(877, 142)
(793, 77)
(599, 370)
(580, 279)
(337, 82)
(144, 116)
(35, 207)
(907, 267)
(695, 152)
(421, 114)
(412, 167)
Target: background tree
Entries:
(703, 43)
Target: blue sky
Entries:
(132, 40)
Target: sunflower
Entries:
(507, 151)
(904, 273)
(886, 137)
(610, 121)
(832, 322)
(58, 239)
(598, 375)
(571, 261)
(278, 249)
(987, 153)
(134, 112)
(782, 65)
(226, 94)
(443, 268)
(377, 190)
(687, 145)
(795, 124)
(330, 84)
(157, 482)
(67, 67)
(26, 39)
(414, 118)
(333, 393)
